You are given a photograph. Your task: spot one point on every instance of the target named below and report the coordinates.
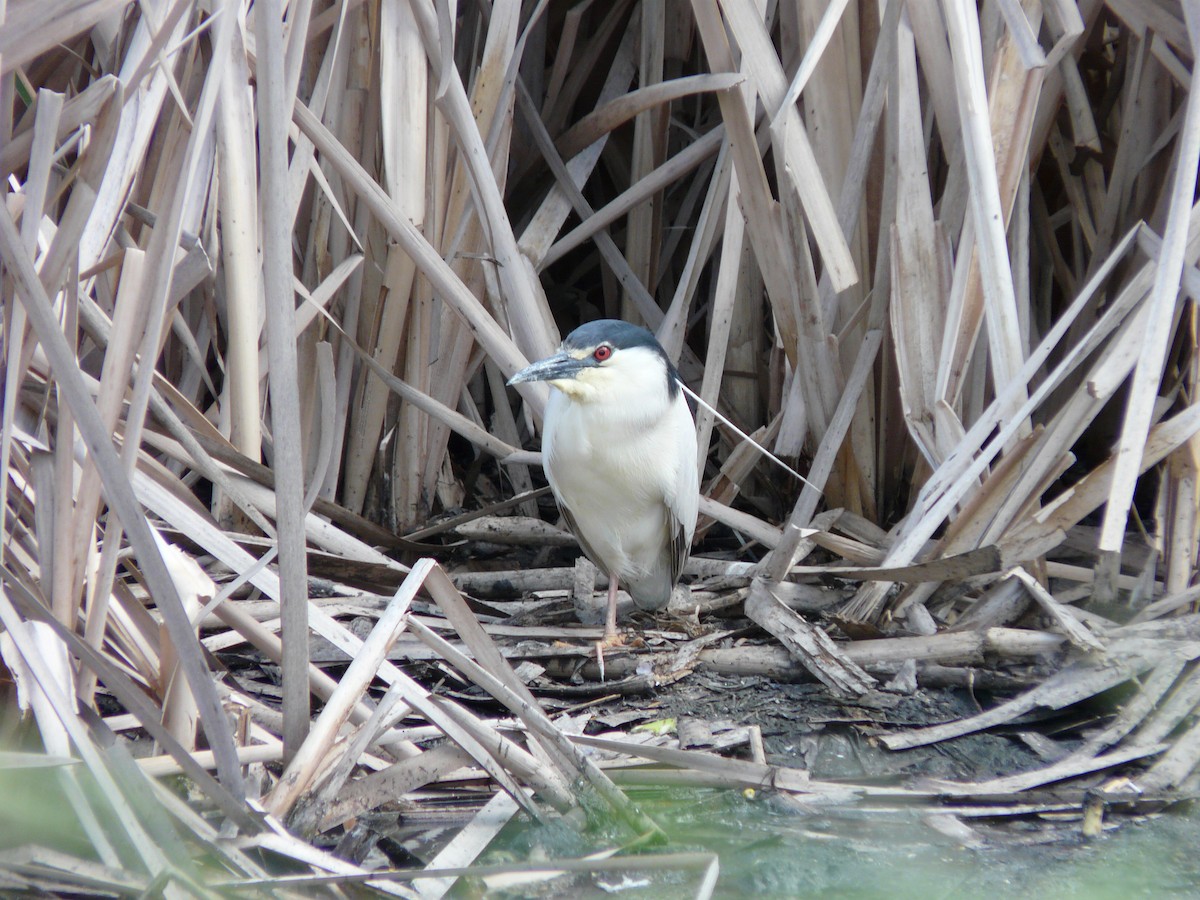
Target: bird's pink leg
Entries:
(611, 638)
(610, 620)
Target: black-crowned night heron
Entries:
(619, 449)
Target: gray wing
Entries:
(682, 496)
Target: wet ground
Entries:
(802, 726)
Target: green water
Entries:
(768, 847)
(769, 850)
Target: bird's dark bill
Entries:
(553, 368)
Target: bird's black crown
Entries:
(622, 336)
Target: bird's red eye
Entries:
(601, 353)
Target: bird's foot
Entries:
(610, 640)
